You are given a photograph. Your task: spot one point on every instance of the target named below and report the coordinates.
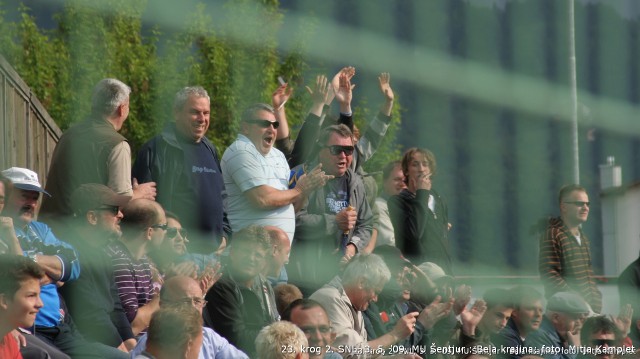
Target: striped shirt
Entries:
(565, 264)
(133, 278)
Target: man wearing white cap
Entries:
(57, 259)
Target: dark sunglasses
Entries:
(265, 123)
(163, 226)
(172, 232)
(111, 209)
(579, 203)
(337, 149)
(603, 342)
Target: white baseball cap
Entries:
(25, 179)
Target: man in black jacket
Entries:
(186, 167)
(419, 215)
(93, 298)
(242, 301)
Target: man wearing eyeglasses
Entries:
(186, 167)
(313, 320)
(565, 255)
(144, 225)
(336, 222)
(256, 175)
(182, 290)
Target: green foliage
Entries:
(230, 50)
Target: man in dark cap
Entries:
(560, 326)
(97, 218)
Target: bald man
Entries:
(185, 290)
(281, 247)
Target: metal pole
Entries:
(574, 92)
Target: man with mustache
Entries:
(565, 254)
(59, 261)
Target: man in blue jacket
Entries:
(57, 259)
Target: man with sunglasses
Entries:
(336, 222)
(144, 225)
(186, 167)
(565, 255)
(96, 223)
(256, 175)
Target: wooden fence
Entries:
(28, 134)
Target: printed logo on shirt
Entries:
(336, 202)
(196, 169)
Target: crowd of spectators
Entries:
(278, 248)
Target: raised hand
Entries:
(344, 92)
(312, 180)
(320, 92)
(435, 311)
(470, 318)
(623, 320)
(280, 96)
(385, 86)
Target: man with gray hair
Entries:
(93, 152)
(186, 167)
(346, 298)
(256, 175)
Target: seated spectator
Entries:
(179, 290)
(173, 247)
(279, 256)
(281, 340)
(346, 298)
(603, 337)
(561, 324)
(19, 299)
(478, 328)
(242, 301)
(285, 294)
(313, 320)
(96, 223)
(525, 319)
(629, 291)
(174, 332)
(144, 224)
(56, 258)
